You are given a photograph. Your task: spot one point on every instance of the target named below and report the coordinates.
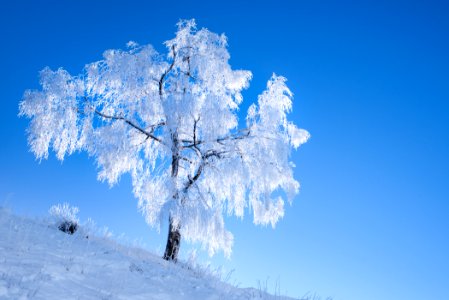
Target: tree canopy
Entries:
(171, 122)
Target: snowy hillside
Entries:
(37, 261)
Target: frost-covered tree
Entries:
(171, 123)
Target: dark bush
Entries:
(68, 227)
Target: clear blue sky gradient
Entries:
(371, 85)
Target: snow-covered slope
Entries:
(37, 261)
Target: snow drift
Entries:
(38, 261)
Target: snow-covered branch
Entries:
(133, 125)
(161, 80)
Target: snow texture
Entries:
(171, 123)
(40, 262)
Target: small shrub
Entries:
(68, 227)
(65, 217)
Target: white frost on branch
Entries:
(171, 123)
(64, 213)
(53, 114)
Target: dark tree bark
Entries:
(173, 242)
(174, 234)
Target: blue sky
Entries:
(371, 85)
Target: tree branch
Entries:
(132, 124)
(236, 136)
(161, 81)
(156, 126)
(195, 123)
(214, 153)
(210, 153)
(195, 177)
(204, 156)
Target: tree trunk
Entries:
(173, 242)
(174, 235)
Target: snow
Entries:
(38, 261)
